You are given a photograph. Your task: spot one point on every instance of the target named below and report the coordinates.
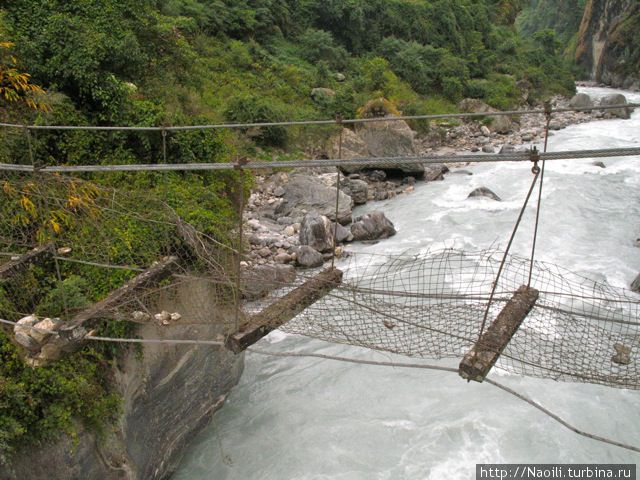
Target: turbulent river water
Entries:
(319, 419)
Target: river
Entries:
(315, 419)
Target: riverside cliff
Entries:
(169, 393)
(607, 49)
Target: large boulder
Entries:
(317, 231)
(501, 124)
(392, 138)
(486, 193)
(372, 226)
(307, 257)
(262, 279)
(616, 99)
(358, 190)
(581, 100)
(307, 192)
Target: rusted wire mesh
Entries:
(432, 306)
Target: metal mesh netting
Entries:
(97, 239)
(432, 306)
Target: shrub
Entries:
(254, 109)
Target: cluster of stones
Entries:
(42, 342)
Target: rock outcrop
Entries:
(607, 42)
(169, 394)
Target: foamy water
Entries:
(317, 419)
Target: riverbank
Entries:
(276, 229)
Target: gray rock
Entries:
(462, 172)
(377, 139)
(488, 149)
(372, 226)
(278, 191)
(340, 77)
(343, 234)
(435, 172)
(527, 137)
(378, 176)
(484, 192)
(307, 192)
(283, 258)
(616, 99)
(359, 191)
(581, 100)
(599, 164)
(391, 139)
(502, 124)
(316, 232)
(285, 221)
(262, 279)
(635, 286)
(485, 130)
(507, 148)
(307, 257)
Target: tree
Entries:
(16, 86)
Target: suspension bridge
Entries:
(486, 309)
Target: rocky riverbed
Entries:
(292, 219)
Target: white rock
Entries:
(175, 317)
(40, 330)
(140, 316)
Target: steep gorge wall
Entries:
(608, 47)
(170, 393)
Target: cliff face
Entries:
(608, 47)
(169, 394)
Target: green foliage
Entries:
(68, 296)
(561, 16)
(318, 45)
(499, 91)
(255, 109)
(39, 404)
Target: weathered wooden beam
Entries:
(19, 265)
(151, 276)
(284, 309)
(482, 357)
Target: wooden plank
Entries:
(284, 309)
(19, 265)
(477, 364)
(153, 275)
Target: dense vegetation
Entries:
(173, 62)
(561, 16)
